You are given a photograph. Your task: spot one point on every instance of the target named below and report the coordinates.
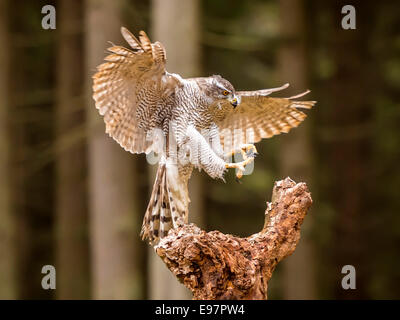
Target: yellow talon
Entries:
(249, 147)
(244, 150)
(240, 166)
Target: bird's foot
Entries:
(240, 166)
(247, 150)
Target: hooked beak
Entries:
(234, 101)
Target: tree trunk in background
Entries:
(72, 254)
(175, 23)
(351, 104)
(295, 153)
(112, 190)
(7, 262)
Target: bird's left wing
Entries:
(259, 116)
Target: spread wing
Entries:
(120, 80)
(259, 116)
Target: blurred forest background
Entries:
(72, 198)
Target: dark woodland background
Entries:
(72, 198)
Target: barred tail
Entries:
(168, 205)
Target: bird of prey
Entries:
(191, 123)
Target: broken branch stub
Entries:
(217, 266)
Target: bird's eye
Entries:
(225, 92)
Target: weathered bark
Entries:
(218, 266)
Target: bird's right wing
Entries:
(118, 83)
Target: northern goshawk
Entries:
(190, 123)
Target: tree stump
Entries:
(218, 266)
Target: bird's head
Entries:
(222, 89)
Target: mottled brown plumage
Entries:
(191, 123)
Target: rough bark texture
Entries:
(220, 266)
